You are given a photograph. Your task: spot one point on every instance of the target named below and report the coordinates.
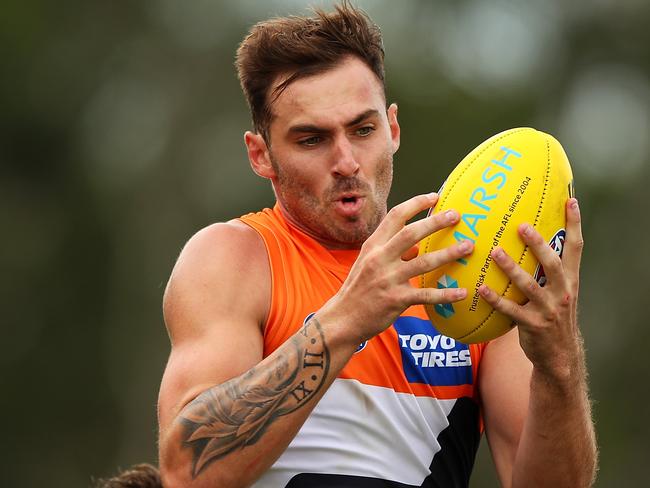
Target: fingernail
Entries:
(574, 205)
(461, 293)
(465, 246)
(432, 195)
(526, 229)
(450, 215)
(497, 253)
(483, 290)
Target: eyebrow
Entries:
(314, 129)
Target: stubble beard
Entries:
(317, 215)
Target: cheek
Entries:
(384, 173)
(307, 181)
(298, 180)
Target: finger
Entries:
(397, 217)
(574, 242)
(507, 307)
(546, 256)
(416, 231)
(521, 279)
(437, 295)
(435, 259)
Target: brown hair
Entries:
(301, 47)
(138, 476)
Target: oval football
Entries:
(519, 175)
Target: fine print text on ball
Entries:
(497, 238)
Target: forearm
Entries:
(558, 446)
(231, 433)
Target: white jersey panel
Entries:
(363, 430)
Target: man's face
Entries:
(332, 146)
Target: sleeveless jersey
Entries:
(403, 412)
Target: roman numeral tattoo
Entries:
(238, 412)
(310, 356)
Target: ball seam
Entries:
(526, 248)
(464, 170)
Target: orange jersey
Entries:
(387, 416)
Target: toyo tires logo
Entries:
(429, 357)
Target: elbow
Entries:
(173, 472)
(180, 476)
(171, 478)
(175, 467)
(178, 466)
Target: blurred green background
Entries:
(121, 136)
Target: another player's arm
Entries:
(225, 413)
(535, 396)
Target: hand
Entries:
(548, 329)
(377, 289)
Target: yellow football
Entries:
(520, 175)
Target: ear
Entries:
(394, 126)
(258, 155)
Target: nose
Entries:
(345, 164)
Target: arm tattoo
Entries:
(236, 414)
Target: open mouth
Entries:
(349, 205)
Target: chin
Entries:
(356, 233)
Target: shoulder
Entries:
(223, 270)
(235, 241)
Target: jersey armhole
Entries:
(272, 248)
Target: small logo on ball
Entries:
(445, 310)
(557, 244)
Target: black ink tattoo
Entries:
(316, 357)
(300, 392)
(237, 413)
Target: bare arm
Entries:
(225, 413)
(219, 432)
(534, 390)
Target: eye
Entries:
(365, 131)
(310, 141)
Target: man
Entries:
(287, 325)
